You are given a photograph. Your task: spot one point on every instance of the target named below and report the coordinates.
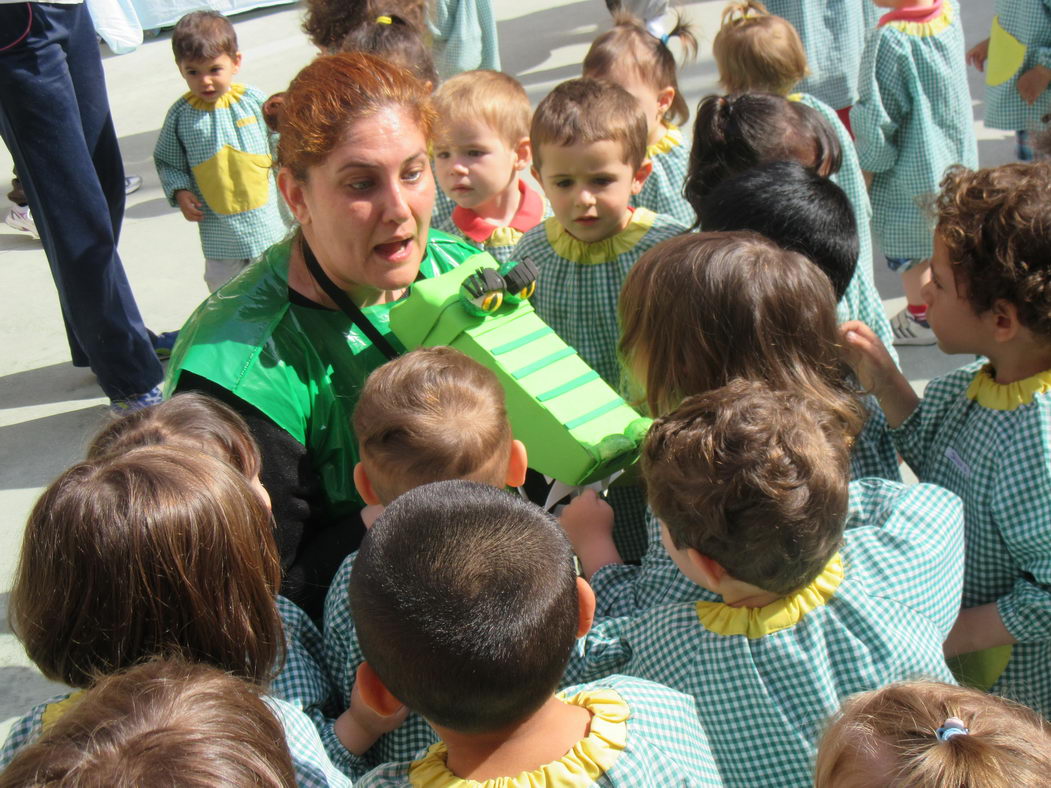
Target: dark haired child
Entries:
(632, 56)
(165, 722)
(734, 133)
(926, 733)
(213, 154)
(431, 415)
(913, 119)
(468, 605)
(802, 212)
(189, 569)
(792, 612)
(982, 431)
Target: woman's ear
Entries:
(585, 607)
(294, 193)
(375, 693)
(364, 486)
(517, 465)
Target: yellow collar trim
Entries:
(503, 236)
(932, 28)
(756, 622)
(1006, 396)
(672, 139)
(590, 758)
(602, 251)
(232, 96)
(54, 711)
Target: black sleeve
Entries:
(311, 548)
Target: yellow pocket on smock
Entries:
(233, 181)
(1006, 55)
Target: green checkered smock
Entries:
(833, 33)
(1019, 40)
(662, 191)
(312, 766)
(763, 700)
(991, 445)
(464, 36)
(443, 207)
(343, 655)
(913, 119)
(664, 746)
(221, 153)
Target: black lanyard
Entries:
(348, 307)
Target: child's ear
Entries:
(293, 192)
(708, 569)
(375, 693)
(641, 174)
(517, 465)
(1005, 321)
(364, 486)
(585, 607)
(664, 101)
(237, 63)
(523, 154)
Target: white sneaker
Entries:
(21, 219)
(910, 331)
(132, 183)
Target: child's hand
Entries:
(978, 54)
(877, 372)
(1033, 82)
(189, 205)
(359, 726)
(588, 522)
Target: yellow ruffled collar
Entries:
(590, 758)
(602, 251)
(1006, 396)
(672, 139)
(932, 21)
(54, 711)
(755, 622)
(232, 96)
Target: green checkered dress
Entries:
(991, 445)
(662, 191)
(913, 119)
(501, 244)
(1020, 39)
(312, 766)
(764, 699)
(442, 213)
(343, 655)
(464, 36)
(833, 33)
(665, 745)
(221, 153)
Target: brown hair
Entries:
(328, 22)
(996, 223)
(755, 479)
(333, 93)
(497, 100)
(203, 35)
(757, 51)
(1006, 746)
(189, 420)
(430, 415)
(158, 551)
(583, 111)
(396, 40)
(629, 44)
(166, 722)
(701, 309)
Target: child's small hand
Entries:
(359, 726)
(189, 205)
(877, 372)
(1033, 82)
(978, 54)
(588, 522)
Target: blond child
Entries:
(934, 735)
(790, 612)
(481, 146)
(213, 154)
(982, 431)
(913, 119)
(468, 604)
(640, 62)
(430, 415)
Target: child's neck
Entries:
(657, 133)
(624, 222)
(500, 209)
(1019, 359)
(904, 4)
(545, 736)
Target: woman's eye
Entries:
(359, 186)
(413, 175)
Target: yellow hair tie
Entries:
(384, 20)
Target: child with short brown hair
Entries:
(481, 145)
(165, 722)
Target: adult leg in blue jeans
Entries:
(55, 120)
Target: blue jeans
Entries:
(55, 120)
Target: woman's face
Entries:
(366, 209)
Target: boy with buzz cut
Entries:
(791, 613)
(468, 605)
(481, 145)
(213, 152)
(431, 415)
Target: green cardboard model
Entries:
(575, 427)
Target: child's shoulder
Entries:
(24, 730)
